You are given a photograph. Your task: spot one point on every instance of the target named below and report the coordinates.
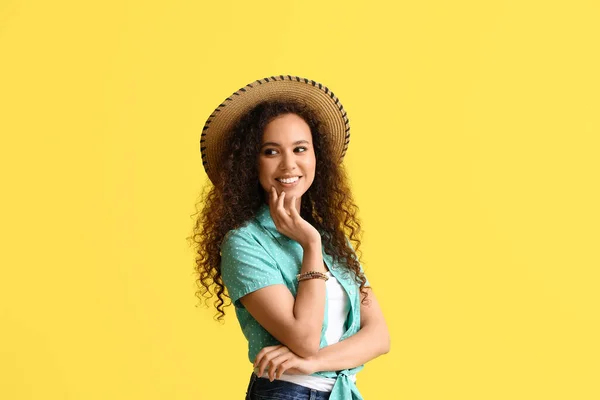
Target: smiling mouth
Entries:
(288, 180)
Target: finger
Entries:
(264, 351)
(280, 207)
(268, 357)
(273, 205)
(272, 198)
(260, 357)
(271, 366)
(275, 363)
(290, 204)
(280, 200)
(293, 211)
(287, 364)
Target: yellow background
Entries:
(474, 160)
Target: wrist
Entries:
(313, 364)
(313, 243)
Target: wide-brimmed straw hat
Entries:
(317, 97)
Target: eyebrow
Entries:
(278, 145)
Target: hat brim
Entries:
(316, 96)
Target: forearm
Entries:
(368, 343)
(309, 306)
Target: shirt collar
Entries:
(344, 388)
(263, 217)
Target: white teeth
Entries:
(289, 180)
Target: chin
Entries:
(295, 191)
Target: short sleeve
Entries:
(246, 266)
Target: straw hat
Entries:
(316, 96)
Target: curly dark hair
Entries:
(237, 195)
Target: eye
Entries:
(269, 152)
(301, 149)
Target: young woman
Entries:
(276, 232)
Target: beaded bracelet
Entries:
(311, 275)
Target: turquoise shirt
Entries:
(257, 255)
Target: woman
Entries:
(276, 231)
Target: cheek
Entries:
(310, 168)
(313, 162)
(263, 166)
(265, 170)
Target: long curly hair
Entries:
(237, 195)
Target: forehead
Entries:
(286, 128)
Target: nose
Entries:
(288, 162)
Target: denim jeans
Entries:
(263, 389)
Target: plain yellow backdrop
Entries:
(474, 159)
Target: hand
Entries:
(280, 359)
(289, 222)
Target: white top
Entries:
(338, 307)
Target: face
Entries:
(287, 157)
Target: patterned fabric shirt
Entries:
(257, 255)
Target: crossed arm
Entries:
(371, 341)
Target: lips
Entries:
(288, 180)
